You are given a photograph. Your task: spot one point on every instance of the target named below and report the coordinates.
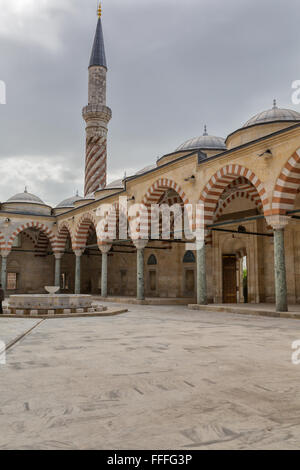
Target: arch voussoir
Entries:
(287, 186)
(223, 179)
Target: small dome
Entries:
(273, 115)
(117, 184)
(25, 198)
(69, 202)
(144, 170)
(204, 142)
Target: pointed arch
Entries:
(218, 183)
(157, 190)
(189, 257)
(82, 230)
(287, 186)
(152, 260)
(33, 224)
(64, 231)
(232, 197)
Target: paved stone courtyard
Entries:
(155, 377)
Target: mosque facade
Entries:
(248, 185)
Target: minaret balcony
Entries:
(96, 111)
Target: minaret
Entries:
(97, 116)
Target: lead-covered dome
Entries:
(204, 142)
(263, 124)
(26, 203)
(274, 114)
(69, 202)
(25, 197)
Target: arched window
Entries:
(189, 257)
(152, 261)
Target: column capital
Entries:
(58, 255)
(278, 222)
(140, 244)
(5, 253)
(104, 247)
(78, 253)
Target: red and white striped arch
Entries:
(156, 194)
(40, 243)
(157, 190)
(33, 224)
(233, 197)
(287, 186)
(2, 242)
(221, 180)
(83, 230)
(64, 231)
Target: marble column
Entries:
(280, 271)
(4, 255)
(279, 223)
(140, 246)
(58, 258)
(78, 254)
(201, 273)
(104, 248)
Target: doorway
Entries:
(229, 279)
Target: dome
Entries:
(117, 184)
(144, 170)
(273, 115)
(25, 198)
(204, 142)
(69, 202)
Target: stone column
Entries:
(140, 246)
(4, 255)
(58, 257)
(104, 250)
(279, 223)
(201, 273)
(78, 254)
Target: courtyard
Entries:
(153, 378)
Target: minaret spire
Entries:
(96, 115)
(98, 52)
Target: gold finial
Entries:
(99, 11)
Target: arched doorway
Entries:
(235, 204)
(30, 263)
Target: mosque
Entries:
(248, 183)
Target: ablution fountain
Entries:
(51, 303)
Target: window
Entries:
(189, 257)
(12, 279)
(152, 261)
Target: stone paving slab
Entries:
(12, 328)
(157, 377)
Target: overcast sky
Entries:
(173, 67)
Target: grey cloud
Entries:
(172, 68)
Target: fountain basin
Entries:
(43, 304)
